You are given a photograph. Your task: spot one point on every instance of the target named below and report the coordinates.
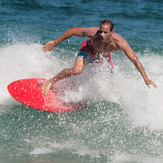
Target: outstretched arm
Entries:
(131, 55)
(81, 32)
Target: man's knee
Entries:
(78, 66)
(77, 71)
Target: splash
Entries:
(126, 88)
(20, 61)
(143, 105)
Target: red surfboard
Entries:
(28, 92)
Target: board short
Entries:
(87, 54)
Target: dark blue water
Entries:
(123, 119)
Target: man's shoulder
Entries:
(117, 37)
(119, 41)
(90, 31)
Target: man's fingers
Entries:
(154, 85)
(151, 83)
(46, 48)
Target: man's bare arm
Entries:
(73, 31)
(81, 32)
(131, 55)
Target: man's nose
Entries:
(102, 33)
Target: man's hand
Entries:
(49, 46)
(149, 82)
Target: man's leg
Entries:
(77, 69)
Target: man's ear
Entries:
(112, 32)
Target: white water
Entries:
(144, 106)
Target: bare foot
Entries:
(45, 87)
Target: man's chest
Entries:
(105, 48)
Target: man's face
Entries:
(105, 32)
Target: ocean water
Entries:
(123, 119)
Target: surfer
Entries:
(101, 41)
